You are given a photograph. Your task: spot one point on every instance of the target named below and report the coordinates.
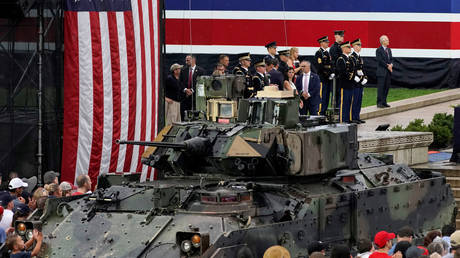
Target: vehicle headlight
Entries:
(29, 234)
(185, 246)
(196, 241)
(21, 229)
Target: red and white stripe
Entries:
(111, 89)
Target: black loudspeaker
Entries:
(15, 9)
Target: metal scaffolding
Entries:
(31, 85)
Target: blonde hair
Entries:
(52, 189)
(40, 192)
(292, 51)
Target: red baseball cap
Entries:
(382, 237)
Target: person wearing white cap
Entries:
(16, 186)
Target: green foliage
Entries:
(441, 126)
(397, 128)
(416, 126)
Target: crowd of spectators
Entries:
(19, 198)
(435, 244)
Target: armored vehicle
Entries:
(236, 189)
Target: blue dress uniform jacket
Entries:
(310, 105)
(345, 72)
(258, 83)
(238, 70)
(357, 98)
(323, 63)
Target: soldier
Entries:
(324, 68)
(271, 49)
(335, 52)
(360, 80)
(243, 68)
(345, 72)
(284, 57)
(260, 79)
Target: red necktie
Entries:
(189, 78)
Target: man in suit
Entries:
(324, 67)
(224, 60)
(308, 86)
(188, 77)
(242, 69)
(360, 80)
(345, 80)
(276, 77)
(259, 80)
(271, 49)
(384, 69)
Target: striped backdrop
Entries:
(416, 28)
(111, 85)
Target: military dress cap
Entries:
(271, 44)
(260, 62)
(244, 56)
(339, 32)
(284, 52)
(356, 42)
(323, 39)
(345, 44)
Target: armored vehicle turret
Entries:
(235, 189)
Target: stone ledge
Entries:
(412, 103)
(406, 147)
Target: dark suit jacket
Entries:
(314, 87)
(185, 73)
(276, 77)
(382, 60)
(184, 81)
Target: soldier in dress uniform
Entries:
(345, 81)
(259, 79)
(324, 67)
(271, 49)
(284, 57)
(360, 80)
(243, 68)
(335, 52)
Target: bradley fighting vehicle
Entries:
(236, 189)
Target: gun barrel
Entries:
(155, 144)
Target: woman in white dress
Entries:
(289, 81)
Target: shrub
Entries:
(397, 128)
(441, 126)
(417, 126)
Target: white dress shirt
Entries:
(305, 81)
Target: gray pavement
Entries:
(403, 118)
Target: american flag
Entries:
(111, 85)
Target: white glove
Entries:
(364, 81)
(360, 72)
(331, 76)
(357, 79)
